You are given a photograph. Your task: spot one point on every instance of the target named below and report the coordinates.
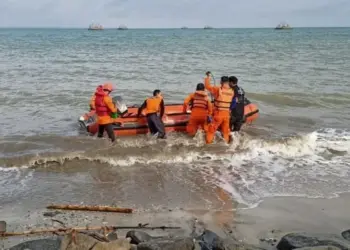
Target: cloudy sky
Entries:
(173, 13)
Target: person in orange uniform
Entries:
(105, 110)
(201, 110)
(221, 115)
(153, 105)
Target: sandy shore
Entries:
(273, 218)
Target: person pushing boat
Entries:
(105, 110)
(153, 105)
(222, 101)
(201, 110)
(237, 105)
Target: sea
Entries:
(299, 145)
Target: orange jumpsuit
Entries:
(201, 108)
(221, 116)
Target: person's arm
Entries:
(110, 105)
(212, 89)
(233, 103)
(162, 108)
(234, 89)
(188, 99)
(143, 106)
(210, 108)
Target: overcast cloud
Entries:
(176, 13)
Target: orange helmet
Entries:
(108, 86)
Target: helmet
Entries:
(108, 87)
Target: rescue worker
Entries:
(105, 110)
(221, 112)
(237, 105)
(153, 105)
(201, 110)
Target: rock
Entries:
(47, 244)
(319, 248)
(209, 240)
(138, 236)
(3, 226)
(345, 234)
(300, 240)
(230, 244)
(167, 244)
(84, 242)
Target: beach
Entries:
(277, 175)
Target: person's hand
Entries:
(114, 115)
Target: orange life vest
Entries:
(224, 99)
(153, 105)
(100, 105)
(200, 100)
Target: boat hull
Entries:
(175, 121)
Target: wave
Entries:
(301, 100)
(316, 164)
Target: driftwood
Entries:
(91, 208)
(77, 229)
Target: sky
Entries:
(175, 13)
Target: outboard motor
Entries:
(84, 124)
(120, 105)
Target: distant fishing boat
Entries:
(95, 26)
(208, 27)
(184, 28)
(283, 26)
(122, 27)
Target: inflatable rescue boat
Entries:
(128, 123)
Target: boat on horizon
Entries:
(122, 27)
(283, 26)
(208, 27)
(95, 26)
(184, 28)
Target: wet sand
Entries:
(275, 217)
(272, 219)
(161, 197)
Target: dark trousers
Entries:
(237, 117)
(155, 124)
(109, 130)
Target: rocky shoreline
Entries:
(280, 223)
(199, 239)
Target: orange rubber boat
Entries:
(128, 124)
